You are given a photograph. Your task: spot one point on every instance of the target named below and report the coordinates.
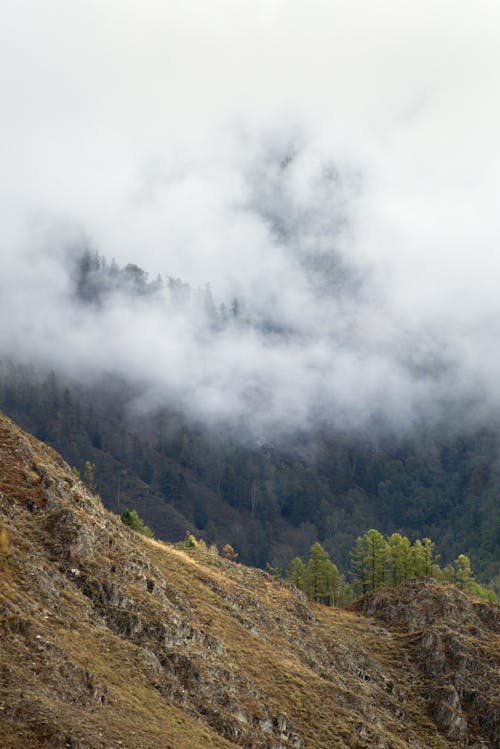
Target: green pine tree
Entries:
(398, 558)
(296, 573)
(359, 573)
(464, 577)
(368, 560)
(322, 577)
(422, 560)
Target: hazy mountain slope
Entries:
(111, 640)
(270, 501)
(217, 442)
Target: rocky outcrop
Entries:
(453, 641)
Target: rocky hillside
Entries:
(113, 641)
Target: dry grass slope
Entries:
(113, 641)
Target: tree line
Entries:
(376, 561)
(96, 281)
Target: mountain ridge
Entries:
(113, 640)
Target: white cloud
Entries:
(158, 129)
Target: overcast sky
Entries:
(160, 131)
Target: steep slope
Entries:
(110, 640)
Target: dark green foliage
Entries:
(271, 503)
(173, 485)
(132, 519)
(146, 472)
(359, 566)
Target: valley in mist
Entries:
(338, 184)
(249, 256)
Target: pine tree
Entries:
(322, 577)
(430, 566)
(346, 593)
(422, 558)
(398, 558)
(296, 573)
(335, 584)
(368, 560)
(358, 557)
(464, 576)
(376, 546)
(447, 574)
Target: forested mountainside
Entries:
(269, 495)
(110, 639)
(270, 502)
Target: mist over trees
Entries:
(272, 502)
(259, 295)
(273, 494)
(97, 282)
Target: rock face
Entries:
(454, 643)
(109, 640)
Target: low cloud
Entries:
(334, 170)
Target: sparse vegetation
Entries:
(190, 542)
(229, 552)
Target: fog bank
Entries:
(333, 166)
